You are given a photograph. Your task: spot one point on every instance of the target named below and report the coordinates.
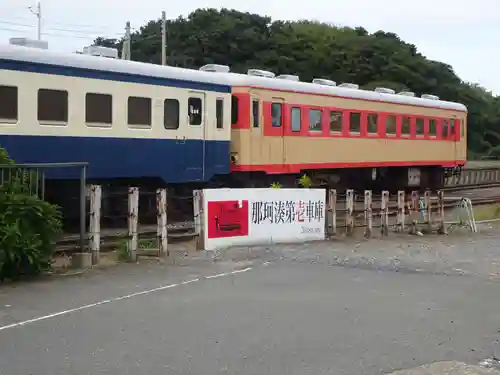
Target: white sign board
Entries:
(262, 216)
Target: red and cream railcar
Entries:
(344, 137)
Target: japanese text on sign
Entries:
(281, 212)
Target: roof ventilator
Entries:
(384, 90)
(349, 86)
(431, 97)
(289, 77)
(260, 73)
(216, 68)
(324, 82)
(406, 93)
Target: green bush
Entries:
(28, 229)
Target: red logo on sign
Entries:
(227, 219)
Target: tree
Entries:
(313, 49)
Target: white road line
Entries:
(116, 299)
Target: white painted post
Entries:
(428, 210)
(199, 219)
(441, 225)
(332, 208)
(368, 214)
(400, 221)
(384, 213)
(133, 218)
(349, 220)
(95, 223)
(414, 212)
(161, 233)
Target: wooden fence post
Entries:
(414, 212)
(428, 210)
(95, 223)
(368, 214)
(384, 213)
(441, 225)
(133, 218)
(349, 220)
(332, 208)
(161, 208)
(400, 221)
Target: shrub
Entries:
(28, 229)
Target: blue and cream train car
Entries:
(127, 119)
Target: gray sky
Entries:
(462, 33)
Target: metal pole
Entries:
(127, 38)
(39, 20)
(163, 38)
(83, 183)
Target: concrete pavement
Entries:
(293, 311)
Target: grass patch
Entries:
(487, 212)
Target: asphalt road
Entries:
(325, 308)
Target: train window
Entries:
(355, 122)
(405, 125)
(420, 126)
(432, 127)
(276, 114)
(234, 109)
(219, 113)
(390, 125)
(296, 119)
(98, 109)
(195, 111)
(255, 113)
(335, 122)
(372, 126)
(8, 103)
(52, 105)
(315, 119)
(139, 111)
(445, 132)
(171, 115)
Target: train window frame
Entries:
(336, 118)
(316, 112)
(255, 113)
(356, 115)
(445, 128)
(388, 125)
(408, 126)
(196, 117)
(168, 124)
(292, 118)
(134, 103)
(13, 108)
(43, 102)
(433, 123)
(219, 113)
(101, 98)
(419, 127)
(372, 115)
(235, 105)
(274, 124)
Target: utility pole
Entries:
(163, 38)
(126, 43)
(38, 13)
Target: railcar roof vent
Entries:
(260, 73)
(429, 96)
(384, 90)
(325, 82)
(216, 68)
(26, 42)
(349, 85)
(289, 77)
(406, 93)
